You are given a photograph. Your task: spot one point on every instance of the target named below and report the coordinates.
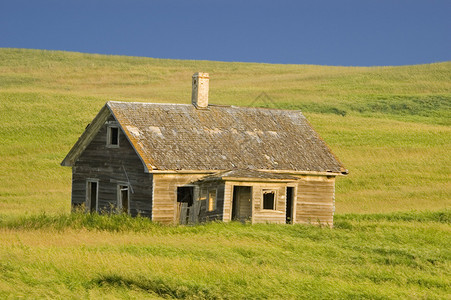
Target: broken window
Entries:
(211, 200)
(185, 194)
(113, 136)
(269, 199)
(203, 194)
(123, 195)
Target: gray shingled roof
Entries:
(181, 137)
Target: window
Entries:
(211, 200)
(203, 194)
(269, 197)
(112, 136)
(123, 198)
(185, 194)
(92, 194)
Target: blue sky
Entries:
(346, 32)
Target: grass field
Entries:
(402, 255)
(390, 126)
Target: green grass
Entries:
(390, 126)
(398, 255)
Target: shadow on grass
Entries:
(158, 286)
(441, 216)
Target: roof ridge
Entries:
(211, 105)
(158, 103)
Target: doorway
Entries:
(289, 212)
(242, 203)
(185, 196)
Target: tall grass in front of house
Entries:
(396, 255)
(388, 125)
(120, 222)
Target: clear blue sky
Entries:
(333, 32)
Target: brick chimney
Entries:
(199, 96)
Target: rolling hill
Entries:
(390, 126)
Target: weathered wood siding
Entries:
(112, 166)
(259, 215)
(277, 215)
(164, 208)
(228, 196)
(217, 214)
(315, 200)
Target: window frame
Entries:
(269, 191)
(214, 202)
(109, 136)
(88, 199)
(119, 196)
(203, 194)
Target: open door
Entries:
(185, 195)
(242, 203)
(289, 211)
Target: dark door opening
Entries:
(185, 197)
(289, 213)
(92, 196)
(242, 203)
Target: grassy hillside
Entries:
(390, 126)
(394, 256)
(418, 91)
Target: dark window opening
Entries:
(289, 212)
(185, 194)
(92, 196)
(113, 136)
(268, 199)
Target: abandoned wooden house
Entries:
(189, 163)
